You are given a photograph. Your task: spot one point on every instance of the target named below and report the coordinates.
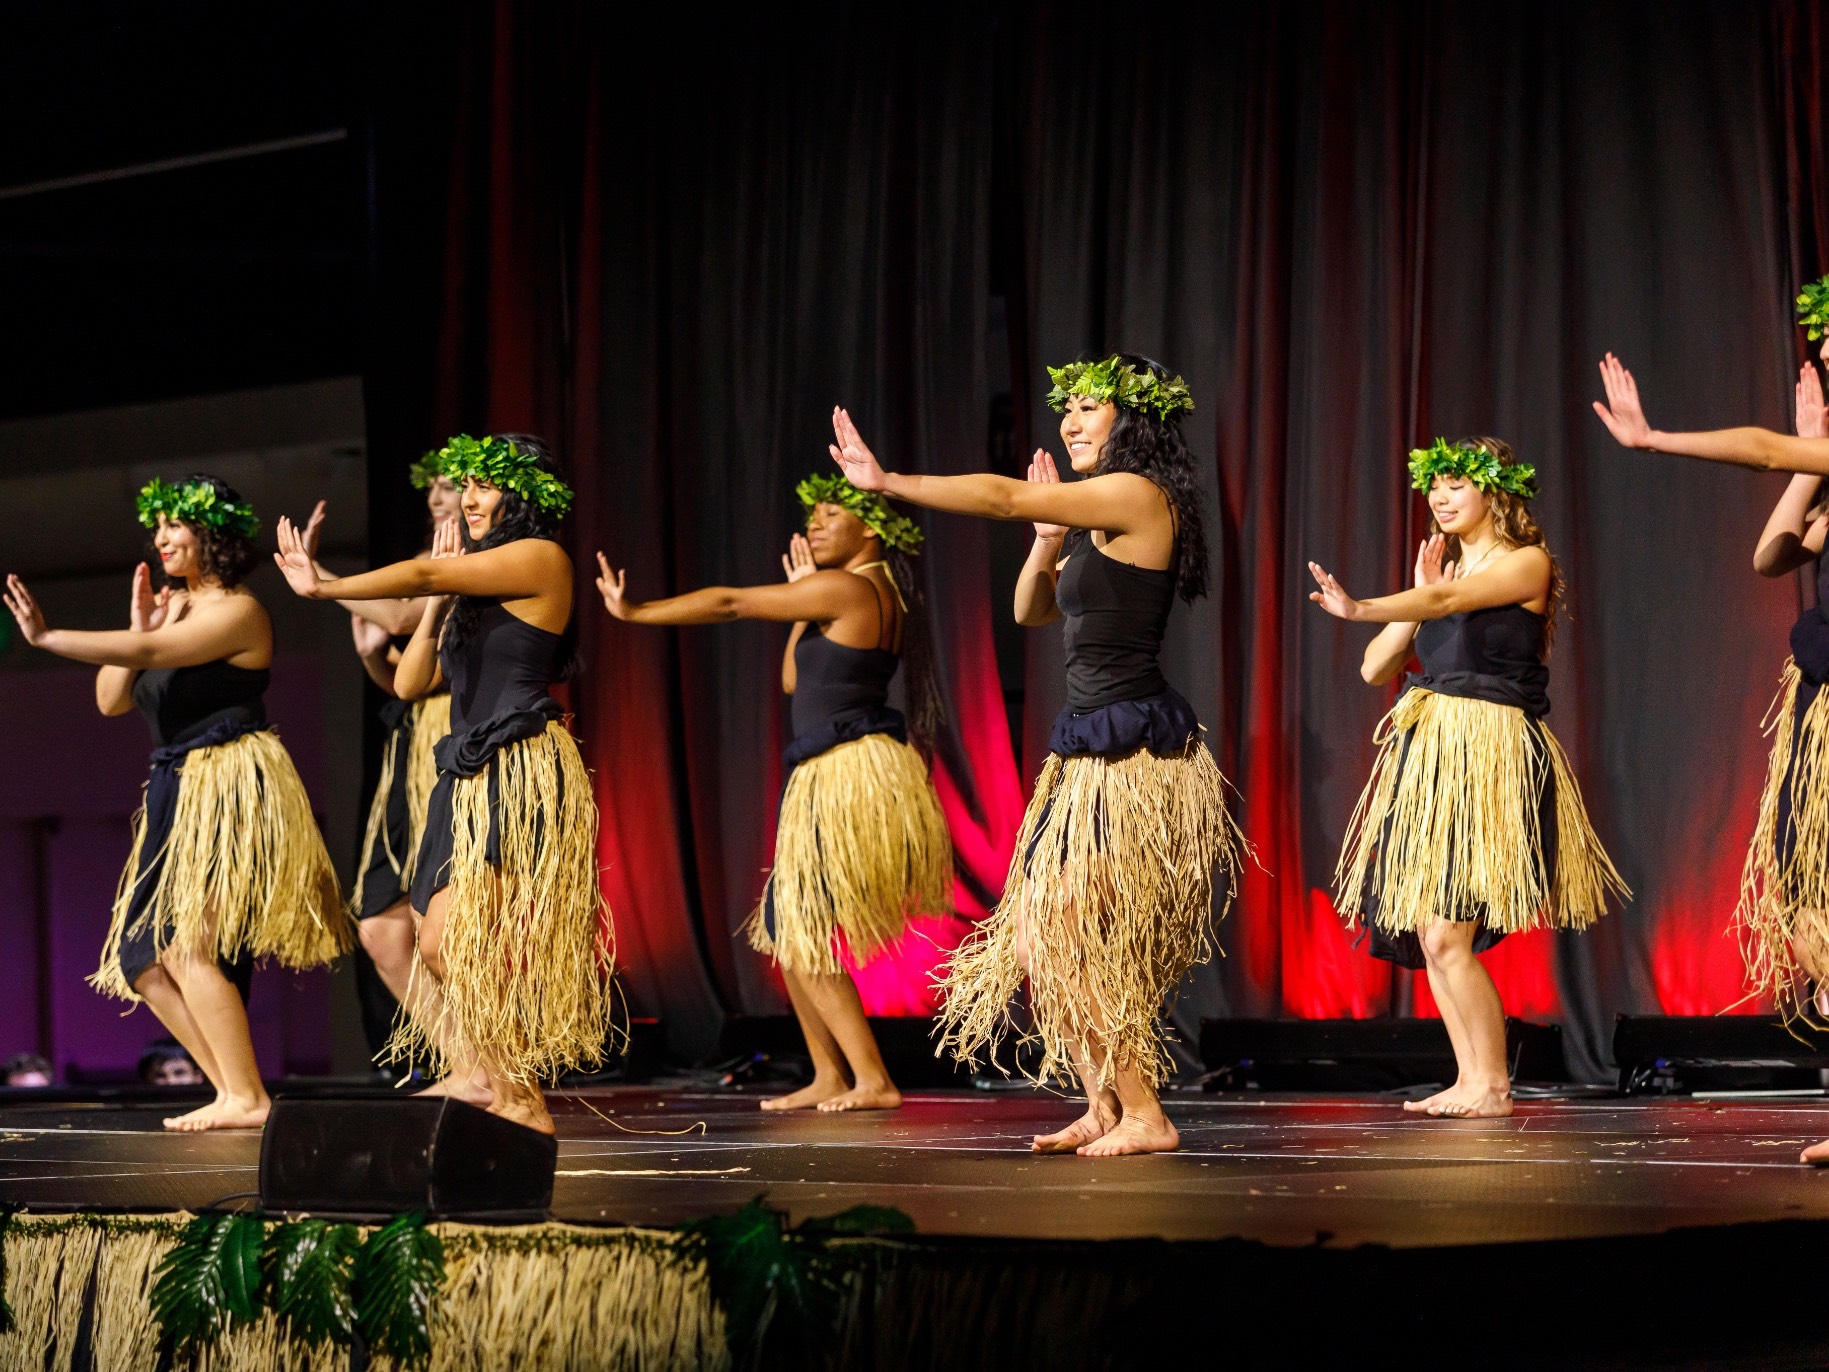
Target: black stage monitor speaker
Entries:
(1671, 1054)
(1381, 1054)
(378, 1156)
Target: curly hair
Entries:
(223, 556)
(1515, 525)
(1153, 448)
(519, 519)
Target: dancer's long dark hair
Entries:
(920, 680)
(1154, 448)
(223, 555)
(519, 519)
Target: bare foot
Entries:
(1473, 1105)
(1134, 1134)
(1095, 1124)
(1816, 1154)
(226, 1113)
(807, 1097)
(1421, 1107)
(472, 1090)
(524, 1107)
(872, 1096)
(183, 1123)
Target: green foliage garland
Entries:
(896, 531)
(209, 1281)
(1470, 462)
(423, 472)
(502, 465)
(195, 502)
(1813, 309)
(1116, 381)
(308, 1268)
(397, 1277)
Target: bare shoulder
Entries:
(1531, 556)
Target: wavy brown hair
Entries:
(1515, 525)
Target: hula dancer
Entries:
(1783, 912)
(228, 864)
(1109, 900)
(505, 881)
(1471, 827)
(861, 843)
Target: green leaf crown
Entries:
(1117, 381)
(1471, 462)
(194, 502)
(896, 531)
(501, 464)
(1813, 309)
(423, 472)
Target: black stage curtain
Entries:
(1352, 227)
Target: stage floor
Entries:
(1289, 1171)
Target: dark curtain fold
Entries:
(1351, 226)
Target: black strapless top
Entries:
(505, 667)
(1115, 617)
(1810, 634)
(1494, 654)
(183, 703)
(834, 684)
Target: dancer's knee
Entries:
(387, 940)
(1446, 944)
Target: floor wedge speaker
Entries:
(374, 1156)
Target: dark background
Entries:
(672, 243)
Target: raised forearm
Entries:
(708, 605)
(1748, 446)
(1388, 651)
(1035, 602)
(1413, 606)
(790, 676)
(1781, 543)
(380, 670)
(416, 674)
(409, 580)
(114, 690)
(980, 493)
(123, 648)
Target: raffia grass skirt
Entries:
(245, 870)
(410, 750)
(1448, 826)
(526, 942)
(1783, 913)
(860, 847)
(1110, 894)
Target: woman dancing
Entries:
(1472, 826)
(1783, 911)
(505, 880)
(861, 843)
(1109, 900)
(227, 863)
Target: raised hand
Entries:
(1810, 408)
(1332, 596)
(294, 562)
(371, 639)
(26, 613)
(1043, 470)
(447, 539)
(145, 611)
(797, 561)
(313, 531)
(1622, 414)
(1430, 569)
(853, 454)
(610, 586)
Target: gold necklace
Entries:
(1468, 569)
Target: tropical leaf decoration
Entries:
(503, 466)
(1471, 462)
(209, 1280)
(897, 531)
(423, 472)
(398, 1273)
(194, 502)
(1115, 380)
(308, 1267)
(1813, 309)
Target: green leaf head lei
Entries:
(1116, 380)
(423, 472)
(1813, 309)
(502, 465)
(194, 502)
(1471, 462)
(896, 531)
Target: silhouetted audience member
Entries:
(165, 1063)
(27, 1069)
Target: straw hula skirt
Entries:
(227, 863)
(396, 816)
(1109, 901)
(1471, 813)
(860, 846)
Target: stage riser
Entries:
(1358, 1054)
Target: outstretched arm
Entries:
(1520, 576)
(821, 597)
(396, 616)
(1121, 502)
(515, 571)
(1747, 446)
(207, 634)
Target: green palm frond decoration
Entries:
(308, 1270)
(1813, 309)
(398, 1273)
(209, 1281)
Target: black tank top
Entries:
(504, 667)
(1810, 634)
(1115, 617)
(182, 703)
(1494, 654)
(833, 683)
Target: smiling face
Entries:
(836, 535)
(482, 507)
(1085, 425)
(1459, 506)
(180, 552)
(442, 499)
